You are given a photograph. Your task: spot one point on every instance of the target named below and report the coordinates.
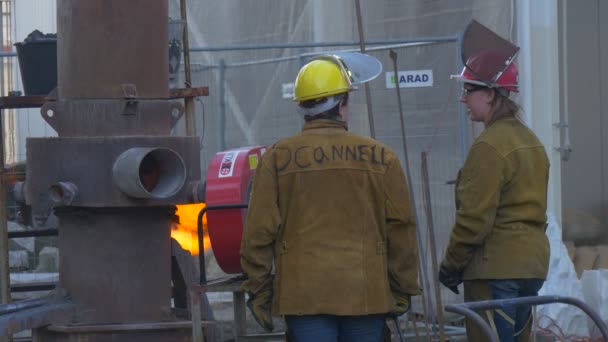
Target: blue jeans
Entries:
(511, 320)
(330, 328)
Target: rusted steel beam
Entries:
(178, 93)
(32, 101)
(37, 101)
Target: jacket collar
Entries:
(504, 118)
(324, 123)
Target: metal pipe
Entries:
(199, 229)
(34, 287)
(466, 309)
(22, 305)
(33, 233)
(145, 172)
(63, 193)
(236, 47)
(5, 294)
(368, 94)
(233, 47)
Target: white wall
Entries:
(539, 80)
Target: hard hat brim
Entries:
(330, 103)
(462, 79)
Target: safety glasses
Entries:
(467, 91)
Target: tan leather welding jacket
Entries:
(331, 208)
(501, 200)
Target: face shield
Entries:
(358, 67)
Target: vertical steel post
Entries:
(5, 283)
(368, 94)
(422, 262)
(222, 118)
(188, 101)
(429, 221)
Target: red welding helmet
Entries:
(488, 59)
(486, 69)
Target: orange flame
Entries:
(185, 232)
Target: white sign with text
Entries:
(410, 79)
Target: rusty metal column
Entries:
(114, 173)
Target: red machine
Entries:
(229, 179)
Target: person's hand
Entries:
(260, 305)
(450, 279)
(402, 304)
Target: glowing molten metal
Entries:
(185, 231)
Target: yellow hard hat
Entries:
(321, 78)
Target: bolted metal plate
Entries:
(112, 117)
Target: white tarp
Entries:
(595, 289)
(562, 320)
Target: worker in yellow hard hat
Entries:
(330, 215)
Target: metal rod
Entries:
(429, 221)
(199, 226)
(396, 321)
(466, 309)
(222, 104)
(188, 102)
(422, 262)
(368, 94)
(233, 47)
(476, 318)
(195, 306)
(310, 54)
(22, 305)
(33, 233)
(46, 286)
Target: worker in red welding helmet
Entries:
(330, 215)
(498, 245)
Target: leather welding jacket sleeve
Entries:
(257, 262)
(402, 254)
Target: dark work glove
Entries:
(450, 279)
(260, 306)
(402, 304)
